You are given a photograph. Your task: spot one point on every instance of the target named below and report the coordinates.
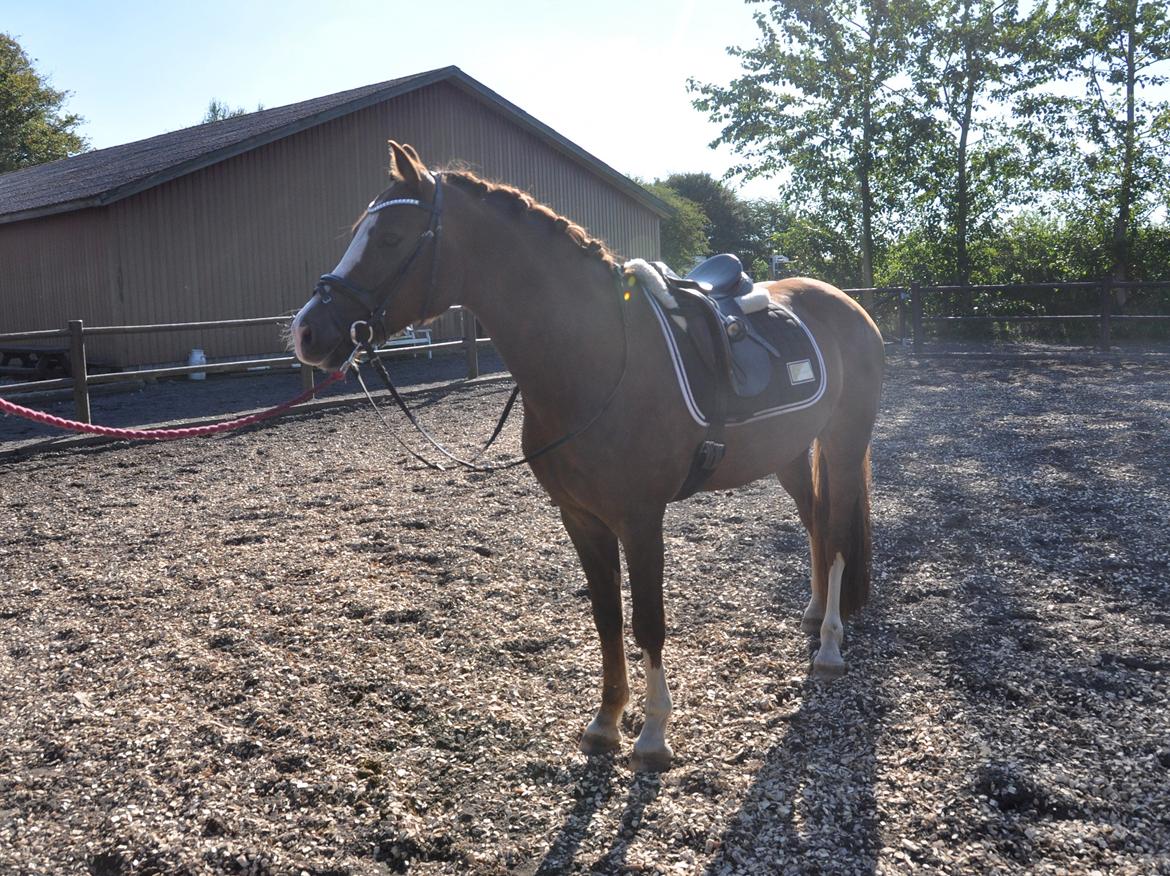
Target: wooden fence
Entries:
(71, 342)
(909, 302)
(913, 319)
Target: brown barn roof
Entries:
(104, 176)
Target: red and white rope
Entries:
(8, 407)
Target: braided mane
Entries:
(516, 200)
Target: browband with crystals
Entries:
(405, 202)
(396, 202)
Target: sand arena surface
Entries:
(287, 651)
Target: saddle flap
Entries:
(727, 342)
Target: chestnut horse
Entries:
(592, 364)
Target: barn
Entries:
(237, 218)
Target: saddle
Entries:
(716, 292)
(738, 355)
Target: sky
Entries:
(608, 74)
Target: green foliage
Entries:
(727, 216)
(819, 249)
(713, 219)
(33, 128)
(683, 235)
(1102, 134)
(910, 138)
(922, 255)
(820, 104)
(767, 224)
(969, 59)
(1036, 248)
(1030, 247)
(217, 110)
(1150, 253)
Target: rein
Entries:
(471, 464)
(361, 333)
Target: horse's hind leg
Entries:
(597, 548)
(841, 472)
(797, 480)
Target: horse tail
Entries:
(857, 542)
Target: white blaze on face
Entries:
(353, 254)
(357, 248)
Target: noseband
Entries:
(361, 332)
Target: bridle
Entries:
(361, 333)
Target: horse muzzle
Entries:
(316, 338)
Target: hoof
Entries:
(811, 625)
(593, 744)
(827, 669)
(651, 761)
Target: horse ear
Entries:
(405, 165)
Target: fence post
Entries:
(307, 376)
(78, 370)
(1105, 341)
(916, 317)
(470, 347)
(902, 326)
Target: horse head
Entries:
(386, 280)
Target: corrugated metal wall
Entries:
(250, 235)
(56, 269)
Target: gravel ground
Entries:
(287, 651)
(134, 405)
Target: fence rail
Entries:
(912, 321)
(80, 379)
(912, 318)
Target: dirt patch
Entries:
(289, 651)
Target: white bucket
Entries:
(197, 357)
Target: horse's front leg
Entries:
(644, 556)
(597, 548)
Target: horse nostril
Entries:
(306, 335)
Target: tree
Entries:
(969, 63)
(1110, 138)
(822, 102)
(684, 235)
(819, 249)
(768, 223)
(727, 216)
(728, 223)
(33, 127)
(217, 110)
